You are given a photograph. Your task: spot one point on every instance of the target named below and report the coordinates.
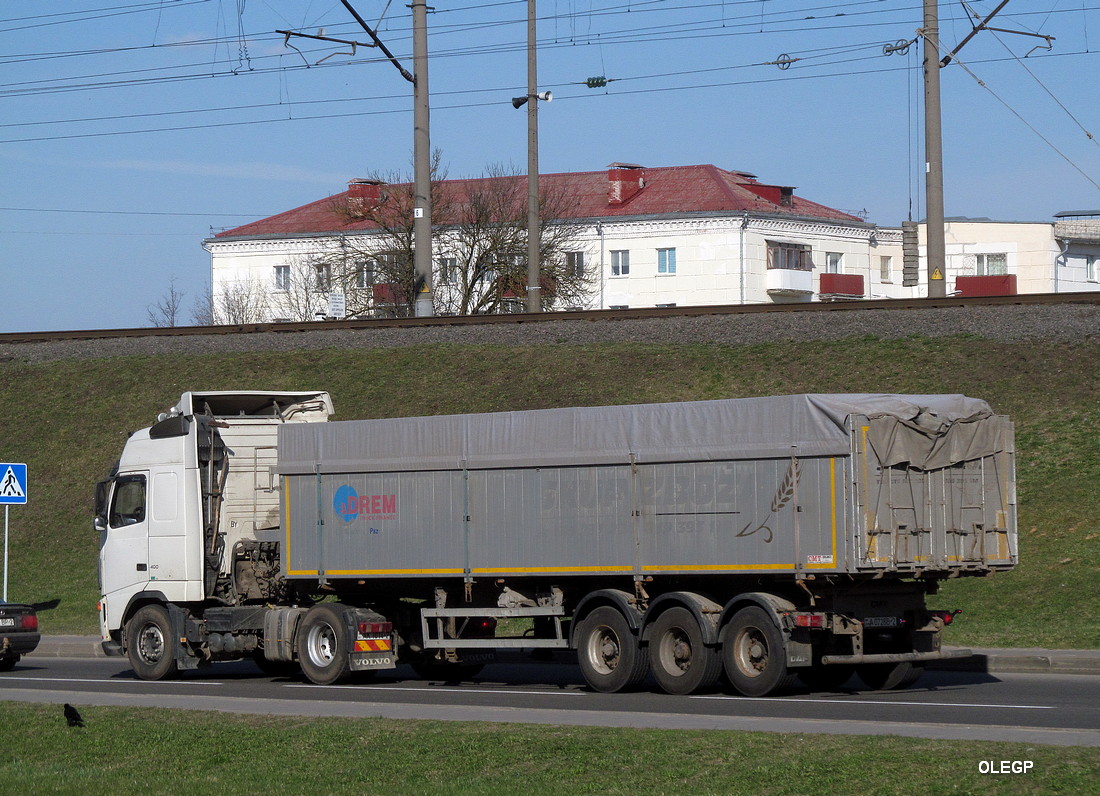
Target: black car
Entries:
(18, 633)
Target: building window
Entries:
(666, 261)
(574, 264)
(620, 262)
(322, 277)
(992, 264)
(1092, 268)
(618, 306)
(670, 304)
(282, 277)
(789, 256)
(364, 275)
(833, 262)
(448, 266)
(886, 268)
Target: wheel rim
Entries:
(604, 649)
(674, 652)
(321, 644)
(151, 643)
(750, 652)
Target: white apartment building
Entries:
(687, 235)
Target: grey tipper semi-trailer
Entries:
(772, 538)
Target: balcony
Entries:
(788, 283)
(841, 287)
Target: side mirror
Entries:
(100, 523)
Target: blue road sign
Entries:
(13, 484)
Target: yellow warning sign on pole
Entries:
(937, 274)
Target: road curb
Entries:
(990, 660)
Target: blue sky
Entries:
(132, 130)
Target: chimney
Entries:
(624, 182)
(364, 192)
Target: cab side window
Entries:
(128, 504)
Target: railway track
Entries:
(1034, 299)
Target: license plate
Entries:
(880, 621)
(7, 621)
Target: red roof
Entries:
(669, 190)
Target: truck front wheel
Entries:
(754, 653)
(323, 645)
(150, 644)
(610, 657)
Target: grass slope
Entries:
(68, 421)
(144, 751)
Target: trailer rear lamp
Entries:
(487, 623)
(375, 628)
(809, 620)
(30, 622)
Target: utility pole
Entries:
(534, 228)
(422, 165)
(936, 246)
(422, 150)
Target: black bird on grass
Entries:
(72, 716)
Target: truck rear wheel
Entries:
(610, 657)
(150, 644)
(754, 654)
(889, 676)
(323, 645)
(681, 663)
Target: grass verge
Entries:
(146, 751)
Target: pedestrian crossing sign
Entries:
(13, 484)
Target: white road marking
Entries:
(874, 702)
(108, 680)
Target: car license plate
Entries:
(7, 621)
(880, 621)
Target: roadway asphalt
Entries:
(1019, 660)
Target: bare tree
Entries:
(235, 302)
(302, 292)
(484, 250)
(166, 312)
(375, 269)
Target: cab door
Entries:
(124, 539)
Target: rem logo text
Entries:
(349, 504)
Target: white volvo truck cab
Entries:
(186, 493)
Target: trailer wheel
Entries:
(323, 645)
(681, 662)
(610, 657)
(150, 644)
(754, 654)
(8, 662)
(889, 676)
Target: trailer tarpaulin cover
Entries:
(920, 430)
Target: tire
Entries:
(150, 644)
(8, 663)
(889, 676)
(610, 657)
(754, 654)
(680, 661)
(322, 645)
